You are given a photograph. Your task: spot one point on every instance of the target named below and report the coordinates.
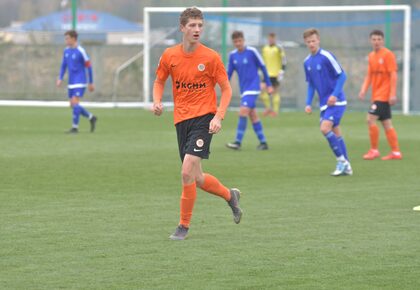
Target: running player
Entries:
(275, 59)
(195, 70)
(325, 75)
(76, 60)
(246, 61)
(382, 74)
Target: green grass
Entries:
(94, 211)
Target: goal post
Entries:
(406, 9)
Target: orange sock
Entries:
(391, 135)
(214, 186)
(189, 193)
(374, 136)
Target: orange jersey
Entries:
(381, 64)
(194, 76)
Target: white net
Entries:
(344, 33)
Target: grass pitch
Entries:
(94, 211)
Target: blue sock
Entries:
(76, 116)
(240, 131)
(334, 144)
(259, 131)
(343, 146)
(84, 112)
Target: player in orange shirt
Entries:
(195, 70)
(382, 75)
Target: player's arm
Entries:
(261, 65)
(158, 88)
(230, 68)
(309, 97)
(365, 85)
(62, 71)
(162, 73)
(393, 88)
(88, 66)
(341, 79)
(391, 65)
(283, 63)
(216, 122)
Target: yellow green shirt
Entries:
(274, 59)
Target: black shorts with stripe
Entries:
(194, 137)
(381, 109)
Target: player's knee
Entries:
(187, 176)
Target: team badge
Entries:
(201, 67)
(199, 143)
(374, 107)
(309, 68)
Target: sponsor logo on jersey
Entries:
(189, 86)
(381, 60)
(318, 67)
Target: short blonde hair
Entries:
(190, 13)
(309, 32)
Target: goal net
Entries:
(344, 31)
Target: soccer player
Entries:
(325, 75)
(275, 59)
(76, 60)
(382, 74)
(246, 61)
(195, 70)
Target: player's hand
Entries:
(270, 89)
(362, 95)
(332, 100)
(91, 87)
(157, 109)
(308, 110)
(392, 100)
(215, 125)
(58, 83)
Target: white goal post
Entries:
(406, 9)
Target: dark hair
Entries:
(377, 32)
(272, 34)
(237, 34)
(71, 33)
(192, 12)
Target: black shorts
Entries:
(194, 137)
(274, 81)
(381, 109)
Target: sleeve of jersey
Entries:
(310, 94)
(162, 71)
(162, 74)
(230, 67)
(391, 62)
(340, 83)
(263, 68)
(224, 99)
(62, 69)
(283, 59)
(223, 81)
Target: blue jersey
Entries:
(77, 62)
(246, 63)
(325, 75)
